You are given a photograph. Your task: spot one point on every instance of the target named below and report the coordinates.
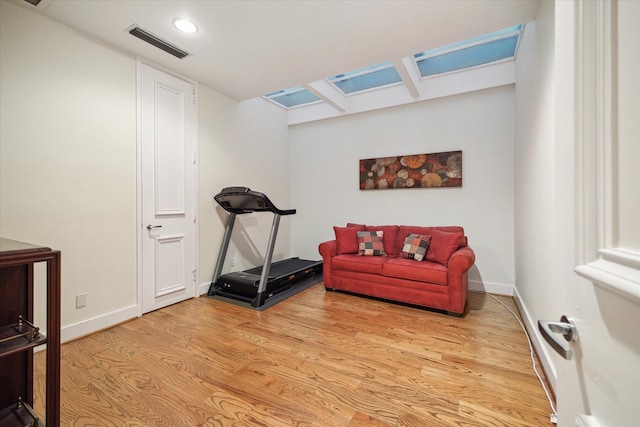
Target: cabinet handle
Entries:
(151, 227)
(21, 404)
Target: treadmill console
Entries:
(240, 200)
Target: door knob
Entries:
(566, 326)
(151, 227)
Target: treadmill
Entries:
(271, 282)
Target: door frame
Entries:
(139, 219)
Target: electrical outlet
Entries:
(81, 300)
(232, 262)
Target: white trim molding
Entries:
(539, 346)
(605, 220)
(99, 323)
(618, 278)
(203, 289)
(491, 288)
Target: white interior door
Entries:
(168, 188)
(598, 381)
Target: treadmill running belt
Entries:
(283, 268)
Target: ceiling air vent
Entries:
(157, 42)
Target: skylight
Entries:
(376, 76)
(292, 97)
(489, 48)
(470, 53)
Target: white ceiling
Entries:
(248, 48)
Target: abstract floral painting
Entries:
(412, 171)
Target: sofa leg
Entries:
(453, 314)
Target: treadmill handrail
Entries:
(241, 200)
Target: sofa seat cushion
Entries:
(422, 271)
(359, 264)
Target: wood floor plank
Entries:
(363, 420)
(317, 359)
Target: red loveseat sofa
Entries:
(394, 268)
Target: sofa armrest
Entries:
(459, 264)
(462, 260)
(327, 250)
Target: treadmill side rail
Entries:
(223, 248)
(262, 287)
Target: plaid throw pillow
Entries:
(370, 243)
(415, 246)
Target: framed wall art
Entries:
(433, 170)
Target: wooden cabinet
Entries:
(19, 335)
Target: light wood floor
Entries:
(317, 359)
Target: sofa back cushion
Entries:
(443, 245)
(445, 240)
(389, 239)
(347, 239)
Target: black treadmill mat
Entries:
(296, 288)
(285, 267)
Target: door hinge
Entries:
(194, 96)
(195, 274)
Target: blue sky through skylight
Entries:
(483, 49)
(366, 78)
(469, 53)
(292, 97)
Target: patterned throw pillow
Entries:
(370, 243)
(415, 246)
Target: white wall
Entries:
(325, 184)
(68, 164)
(544, 186)
(68, 156)
(538, 177)
(535, 178)
(241, 144)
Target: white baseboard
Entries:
(203, 288)
(90, 326)
(541, 350)
(490, 288)
(474, 286)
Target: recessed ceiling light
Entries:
(185, 26)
